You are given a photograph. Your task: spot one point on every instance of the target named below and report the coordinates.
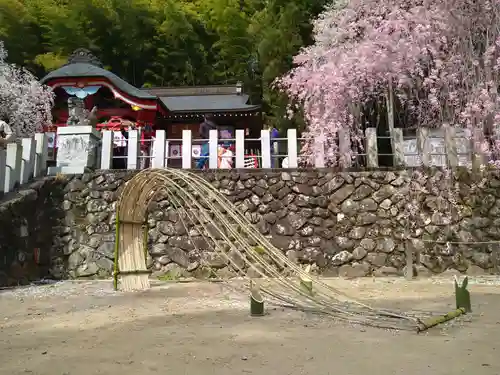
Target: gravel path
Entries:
(77, 328)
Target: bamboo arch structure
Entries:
(131, 231)
(227, 230)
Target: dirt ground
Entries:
(84, 328)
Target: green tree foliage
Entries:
(181, 48)
(167, 42)
(19, 31)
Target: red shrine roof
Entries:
(82, 64)
(226, 98)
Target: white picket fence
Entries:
(27, 159)
(20, 162)
(428, 148)
(160, 150)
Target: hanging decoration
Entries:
(196, 151)
(81, 92)
(175, 151)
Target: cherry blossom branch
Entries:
(25, 103)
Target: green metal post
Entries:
(145, 242)
(117, 244)
(462, 295)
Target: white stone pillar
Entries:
(42, 149)
(107, 149)
(133, 149)
(3, 160)
(239, 148)
(77, 149)
(371, 148)
(159, 149)
(28, 159)
(213, 148)
(292, 148)
(13, 166)
(186, 149)
(319, 148)
(265, 148)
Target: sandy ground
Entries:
(201, 329)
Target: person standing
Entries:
(6, 134)
(120, 148)
(225, 156)
(204, 132)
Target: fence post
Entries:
(275, 151)
(291, 135)
(3, 160)
(28, 159)
(167, 152)
(13, 166)
(240, 148)
(41, 149)
(133, 149)
(371, 147)
(345, 148)
(265, 144)
(213, 148)
(424, 146)
(107, 149)
(478, 156)
(159, 149)
(319, 147)
(186, 149)
(398, 142)
(451, 146)
(409, 259)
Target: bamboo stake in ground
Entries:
(256, 301)
(409, 260)
(306, 283)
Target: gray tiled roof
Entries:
(181, 103)
(89, 70)
(208, 103)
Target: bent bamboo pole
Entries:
(432, 322)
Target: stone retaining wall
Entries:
(348, 224)
(29, 224)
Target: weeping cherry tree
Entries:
(437, 60)
(25, 104)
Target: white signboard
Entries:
(438, 149)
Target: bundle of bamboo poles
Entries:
(131, 272)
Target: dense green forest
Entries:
(167, 42)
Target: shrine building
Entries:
(170, 109)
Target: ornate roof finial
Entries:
(82, 55)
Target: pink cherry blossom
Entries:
(441, 58)
(24, 101)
